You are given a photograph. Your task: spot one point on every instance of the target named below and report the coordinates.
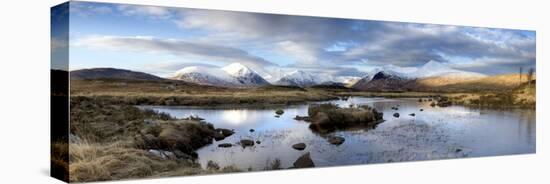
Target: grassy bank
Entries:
(179, 93)
(523, 96)
(117, 141)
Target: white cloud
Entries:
(154, 12)
(180, 48)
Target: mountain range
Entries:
(386, 78)
(394, 78)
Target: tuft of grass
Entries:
(273, 165)
(118, 160)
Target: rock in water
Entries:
(225, 132)
(421, 109)
(251, 130)
(396, 115)
(225, 145)
(304, 161)
(302, 118)
(299, 146)
(412, 114)
(279, 112)
(246, 143)
(222, 134)
(336, 140)
(258, 142)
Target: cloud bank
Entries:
(317, 44)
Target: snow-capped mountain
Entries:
(303, 79)
(297, 78)
(244, 75)
(393, 77)
(206, 76)
(437, 69)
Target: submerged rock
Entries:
(222, 134)
(299, 146)
(396, 115)
(304, 161)
(225, 132)
(246, 143)
(302, 118)
(336, 140)
(432, 104)
(225, 145)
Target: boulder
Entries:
(412, 114)
(246, 143)
(225, 145)
(299, 146)
(225, 132)
(279, 112)
(304, 161)
(251, 130)
(336, 140)
(302, 118)
(218, 136)
(258, 142)
(396, 115)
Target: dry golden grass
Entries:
(492, 83)
(432, 82)
(113, 161)
(166, 93)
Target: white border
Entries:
(25, 90)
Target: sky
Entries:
(162, 40)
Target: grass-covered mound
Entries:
(330, 117)
(115, 141)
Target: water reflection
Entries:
(236, 117)
(434, 133)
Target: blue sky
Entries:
(162, 40)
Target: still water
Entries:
(434, 133)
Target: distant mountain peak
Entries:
(237, 69)
(111, 73)
(233, 75)
(245, 75)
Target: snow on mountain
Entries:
(348, 80)
(244, 75)
(437, 69)
(430, 69)
(393, 77)
(299, 78)
(206, 76)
